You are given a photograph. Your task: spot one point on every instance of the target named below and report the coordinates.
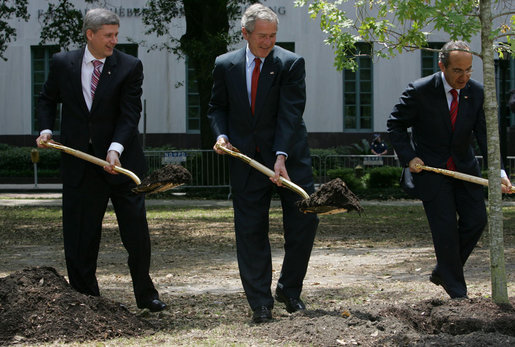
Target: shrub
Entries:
(16, 162)
(384, 177)
(347, 175)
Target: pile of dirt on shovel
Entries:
(331, 196)
(38, 305)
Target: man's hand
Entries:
(222, 142)
(43, 138)
(413, 165)
(280, 170)
(506, 185)
(113, 158)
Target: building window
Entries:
(429, 59)
(357, 92)
(505, 82)
(192, 101)
(128, 48)
(40, 61)
(287, 45)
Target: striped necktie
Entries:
(95, 77)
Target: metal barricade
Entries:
(208, 169)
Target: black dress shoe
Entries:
(292, 304)
(262, 314)
(434, 278)
(155, 305)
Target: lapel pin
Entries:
(466, 96)
(108, 72)
(272, 72)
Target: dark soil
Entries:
(38, 305)
(165, 178)
(332, 196)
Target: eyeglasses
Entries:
(461, 72)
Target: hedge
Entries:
(16, 162)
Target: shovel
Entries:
(333, 197)
(458, 175)
(163, 179)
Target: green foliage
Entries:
(10, 9)
(399, 25)
(16, 162)
(384, 177)
(62, 25)
(348, 176)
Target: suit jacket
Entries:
(277, 124)
(114, 114)
(423, 107)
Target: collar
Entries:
(88, 57)
(250, 57)
(446, 86)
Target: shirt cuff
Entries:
(115, 146)
(224, 136)
(503, 174)
(46, 131)
(279, 152)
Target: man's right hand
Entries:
(413, 165)
(222, 142)
(42, 139)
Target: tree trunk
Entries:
(495, 217)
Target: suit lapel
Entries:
(442, 107)
(238, 80)
(463, 106)
(76, 78)
(266, 79)
(105, 80)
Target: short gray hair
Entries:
(255, 12)
(95, 18)
(450, 46)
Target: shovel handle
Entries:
(459, 175)
(91, 159)
(263, 169)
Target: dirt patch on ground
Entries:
(38, 305)
(367, 284)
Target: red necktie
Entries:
(254, 85)
(454, 113)
(95, 77)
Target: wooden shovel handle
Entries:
(263, 169)
(91, 159)
(458, 175)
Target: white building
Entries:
(341, 108)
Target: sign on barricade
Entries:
(173, 158)
(373, 160)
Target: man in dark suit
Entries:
(256, 105)
(445, 111)
(100, 91)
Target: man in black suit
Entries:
(445, 111)
(100, 91)
(256, 105)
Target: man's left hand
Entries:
(280, 170)
(113, 158)
(506, 185)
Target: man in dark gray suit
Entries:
(445, 112)
(256, 105)
(100, 91)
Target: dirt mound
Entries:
(331, 197)
(473, 322)
(38, 305)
